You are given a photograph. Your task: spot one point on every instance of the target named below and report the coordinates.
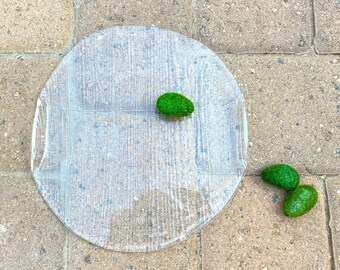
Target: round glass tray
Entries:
(110, 167)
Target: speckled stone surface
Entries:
(256, 26)
(253, 233)
(82, 255)
(92, 15)
(292, 102)
(327, 22)
(293, 110)
(20, 83)
(34, 25)
(333, 193)
(31, 237)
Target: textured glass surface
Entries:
(110, 167)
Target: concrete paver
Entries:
(252, 232)
(327, 24)
(34, 25)
(83, 255)
(95, 15)
(31, 236)
(333, 192)
(256, 26)
(20, 83)
(292, 109)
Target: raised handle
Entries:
(242, 132)
(39, 137)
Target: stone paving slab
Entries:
(31, 237)
(20, 83)
(95, 15)
(34, 25)
(83, 255)
(255, 26)
(252, 232)
(292, 109)
(333, 192)
(327, 24)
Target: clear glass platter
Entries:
(110, 167)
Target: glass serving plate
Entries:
(110, 167)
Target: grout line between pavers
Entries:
(72, 25)
(309, 52)
(66, 251)
(329, 53)
(313, 26)
(194, 18)
(199, 253)
(31, 55)
(16, 174)
(328, 228)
